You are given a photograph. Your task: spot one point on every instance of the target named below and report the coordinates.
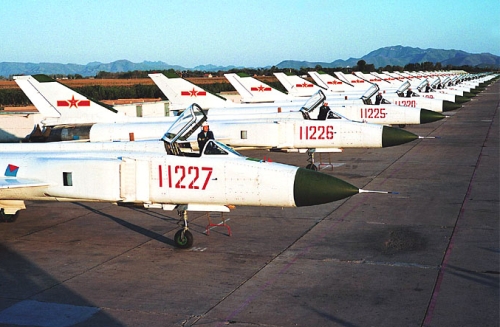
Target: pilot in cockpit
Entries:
(205, 135)
(323, 111)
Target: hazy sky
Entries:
(251, 33)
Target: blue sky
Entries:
(242, 33)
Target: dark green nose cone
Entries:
(428, 116)
(461, 99)
(448, 105)
(392, 136)
(312, 187)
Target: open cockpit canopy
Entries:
(188, 122)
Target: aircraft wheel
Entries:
(8, 218)
(312, 167)
(402, 125)
(183, 239)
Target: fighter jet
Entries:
(403, 95)
(346, 94)
(356, 108)
(277, 131)
(125, 173)
(393, 91)
(352, 105)
(438, 85)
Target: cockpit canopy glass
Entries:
(313, 102)
(188, 122)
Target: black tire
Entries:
(8, 218)
(402, 125)
(183, 239)
(312, 167)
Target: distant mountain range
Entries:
(401, 56)
(393, 56)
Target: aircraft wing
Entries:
(9, 182)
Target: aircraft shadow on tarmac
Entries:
(486, 278)
(133, 227)
(26, 292)
(195, 226)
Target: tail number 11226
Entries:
(316, 132)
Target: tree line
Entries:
(16, 97)
(268, 71)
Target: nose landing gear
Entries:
(183, 239)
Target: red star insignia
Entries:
(73, 102)
(193, 92)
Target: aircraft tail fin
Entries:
(42, 104)
(59, 104)
(253, 91)
(182, 93)
(331, 83)
(355, 81)
(296, 85)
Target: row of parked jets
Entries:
(93, 153)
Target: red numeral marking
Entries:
(313, 130)
(316, 132)
(209, 170)
(169, 176)
(373, 113)
(321, 130)
(407, 103)
(329, 132)
(195, 178)
(184, 174)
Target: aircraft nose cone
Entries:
(448, 105)
(312, 187)
(392, 136)
(428, 116)
(461, 99)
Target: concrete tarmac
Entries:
(426, 256)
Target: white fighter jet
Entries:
(362, 110)
(393, 92)
(437, 84)
(354, 108)
(404, 95)
(158, 175)
(286, 131)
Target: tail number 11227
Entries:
(183, 177)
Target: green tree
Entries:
(361, 65)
